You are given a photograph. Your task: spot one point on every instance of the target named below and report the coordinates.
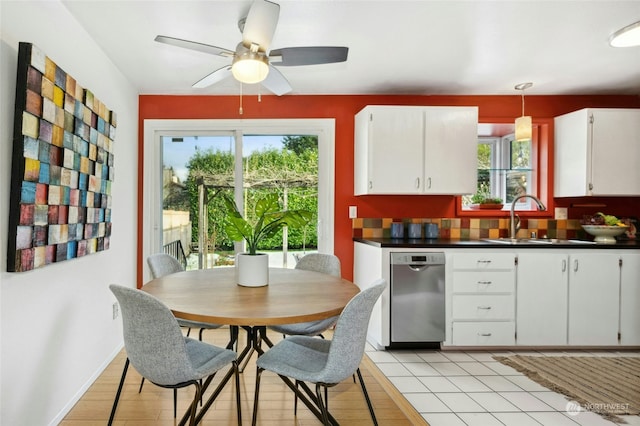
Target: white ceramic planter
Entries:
(252, 270)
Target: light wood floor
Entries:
(154, 405)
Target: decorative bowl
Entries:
(605, 234)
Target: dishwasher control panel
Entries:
(417, 258)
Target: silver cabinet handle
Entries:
(418, 183)
(486, 308)
(429, 183)
(370, 184)
(485, 282)
(484, 261)
(484, 334)
(575, 265)
(564, 265)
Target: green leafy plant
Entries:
(482, 198)
(270, 218)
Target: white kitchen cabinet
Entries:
(592, 146)
(630, 299)
(483, 299)
(594, 298)
(415, 150)
(542, 298)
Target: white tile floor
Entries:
(455, 388)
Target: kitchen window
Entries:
(506, 168)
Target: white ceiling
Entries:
(423, 47)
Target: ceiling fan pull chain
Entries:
(240, 110)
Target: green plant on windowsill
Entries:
(486, 201)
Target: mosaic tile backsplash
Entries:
(472, 229)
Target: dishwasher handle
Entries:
(418, 267)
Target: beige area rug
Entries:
(609, 386)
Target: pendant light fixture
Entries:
(628, 36)
(523, 124)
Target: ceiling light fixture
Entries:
(523, 124)
(250, 65)
(626, 37)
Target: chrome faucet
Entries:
(516, 226)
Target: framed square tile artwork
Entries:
(62, 167)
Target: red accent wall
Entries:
(343, 109)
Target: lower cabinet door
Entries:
(594, 299)
(543, 293)
(484, 333)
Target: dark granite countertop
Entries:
(449, 244)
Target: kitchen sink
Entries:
(531, 241)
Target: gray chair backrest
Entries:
(162, 264)
(350, 335)
(320, 262)
(153, 340)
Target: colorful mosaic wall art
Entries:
(62, 168)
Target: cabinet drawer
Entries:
(484, 333)
(483, 307)
(483, 282)
(480, 261)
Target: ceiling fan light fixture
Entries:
(250, 67)
(524, 126)
(626, 37)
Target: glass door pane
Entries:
(288, 166)
(195, 170)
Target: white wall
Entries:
(57, 331)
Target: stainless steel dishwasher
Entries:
(417, 298)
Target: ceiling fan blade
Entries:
(310, 55)
(260, 24)
(200, 47)
(276, 82)
(213, 78)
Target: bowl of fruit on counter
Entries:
(604, 227)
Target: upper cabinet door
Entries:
(451, 156)
(389, 150)
(415, 150)
(597, 152)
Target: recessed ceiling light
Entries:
(627, 36)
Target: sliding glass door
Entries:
(188, 168)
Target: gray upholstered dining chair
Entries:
(318, 262)
(158, 350)
(162, 264)
(324, 362)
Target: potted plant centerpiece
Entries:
(252, 268)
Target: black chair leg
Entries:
(366, 396)
(323, 408)
(255, 399)
(194, 404)
(175, 402)
(236, 373)
(115, 401)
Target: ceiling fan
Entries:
(252, 61)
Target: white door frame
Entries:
(152, 176)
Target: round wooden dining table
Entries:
(292, 296)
